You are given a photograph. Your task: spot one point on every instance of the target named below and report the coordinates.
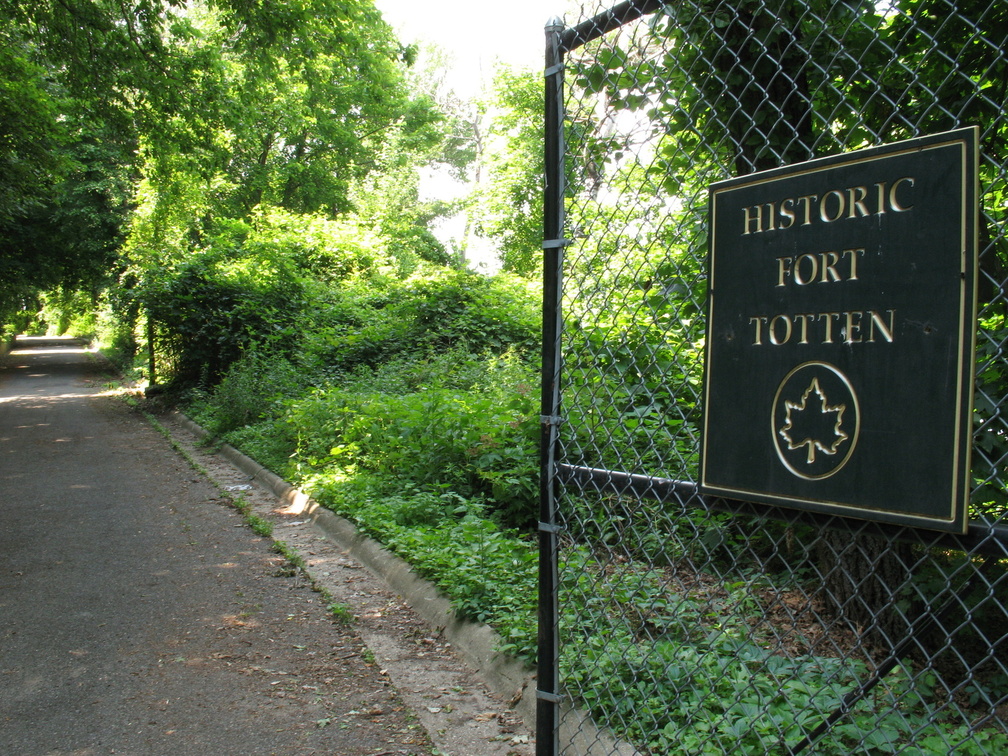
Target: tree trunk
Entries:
(863, 580)
(762, 65)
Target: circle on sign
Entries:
(815, 420)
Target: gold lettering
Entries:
(875, 320)
(850, 203)
(748, 219)
(808, 199)
(852, 329)
(857, 203)
(847, 327)
(853, 255)
(841, 206)
(829, 271)
(824, 267)
(783, 269)
(774, 339)
(787, 213)
(827, 318)
(880, 201)
(813, 269)
(803, 320)
(893, 202)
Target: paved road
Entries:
(137, 614)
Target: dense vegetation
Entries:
(227, 195)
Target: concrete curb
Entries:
(507, 677)
(477, 643)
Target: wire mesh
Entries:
(699, 626)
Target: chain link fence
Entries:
(673, 622)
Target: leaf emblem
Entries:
(813, 423)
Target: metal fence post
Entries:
(548, 688)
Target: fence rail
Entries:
(676, 622)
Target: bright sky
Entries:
(475, 32)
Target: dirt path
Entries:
(139, 615)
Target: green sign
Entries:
(841, 334)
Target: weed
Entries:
(413, 418)
(342, 613)
(281, 547)
(259, 525)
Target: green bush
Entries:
(479, 440)
(639, 389)
(488, 573)
(249, 287)
(254, 388)
(990, 450)
(463, 309)
(220, 304)
(675, 674)
(66, 311)
(386, 320)
(268, 442)
(323, 249)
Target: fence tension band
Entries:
(554, 70)
(555, 698)
(555, 243)
(548, 527)
(550, 419)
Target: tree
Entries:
(69, 76)
(508, 199)
(434, 141)
(63, 183)
(317, 90)
(214, 106)
(31, 161)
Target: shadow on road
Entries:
(137, 613)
